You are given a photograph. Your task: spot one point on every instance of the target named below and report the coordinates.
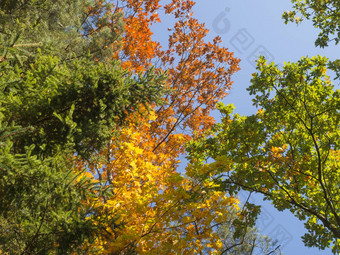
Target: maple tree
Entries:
(157, 209)
(198, 72)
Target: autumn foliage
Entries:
(157, 209)
(154, 207)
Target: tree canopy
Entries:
(95, 115)
(61, 100)
(289, 150)
(324, 15)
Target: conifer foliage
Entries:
(61, 97)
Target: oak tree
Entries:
(288, 151)
(323, 14)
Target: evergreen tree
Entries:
(61, 98)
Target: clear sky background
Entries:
(250, 28)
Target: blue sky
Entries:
(249, 28)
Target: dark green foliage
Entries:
(37, 199)
(78, 102)
(51, 78)
(61, 98)
(41, 206)
(60, 27)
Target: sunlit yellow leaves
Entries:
(156, 203)
(260, 111)
(151, 198)
(276, 152)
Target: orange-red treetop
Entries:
(198, 70)
(155, 204)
